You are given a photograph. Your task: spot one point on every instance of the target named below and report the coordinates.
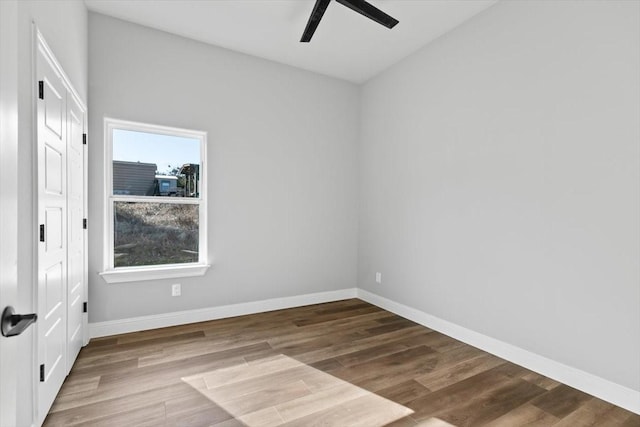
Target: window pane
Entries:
(151, 164)
(155, 233)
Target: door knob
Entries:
(14, 324)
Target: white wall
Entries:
(64, 26)
(500, 181)
(282, 175)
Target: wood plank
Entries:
(487, 406)
(458, 394)
(156, 342)
(268, 417)
(347, 347)
(561, 401)
(540, 380)
(327, 365)
(76, 410)
(391, 326)
(143, 415)
(366, 411)
(525, 415)
(404, 392)
(266, 397)
(322, 400)
(405, 422)
(446, 376)
(79, 384)
(246, 371)
(321, 318)
(193, 409)
(594, 413)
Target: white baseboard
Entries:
(143, 323)
(603, 389)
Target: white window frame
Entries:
(113, 274)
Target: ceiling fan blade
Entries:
(314, 19)
(370, 11)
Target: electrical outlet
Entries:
(176, 290)
(378, 277)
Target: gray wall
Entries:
(499, 184)
(281, 157)
(64, 26)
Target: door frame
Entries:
(9, 206)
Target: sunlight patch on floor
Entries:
(434, 422)
(282, 391)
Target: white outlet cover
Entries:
(378, 277)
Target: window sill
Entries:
(137, 274)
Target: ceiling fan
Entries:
(360, 6)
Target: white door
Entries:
(8, 203)
(52, 220)
(76, 234)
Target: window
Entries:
(155, 207)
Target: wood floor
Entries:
(346, 363)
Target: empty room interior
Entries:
(320, 213)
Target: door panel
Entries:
(53, 239)
(53, 290)
(53, 170)
(54, 352)
(54, 108)
(52, 253)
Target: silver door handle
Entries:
(14, 324)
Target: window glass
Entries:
(155, 233)
(151, 164)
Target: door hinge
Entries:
(42, 232)
(41, 89)
(84, 139)
(84, 223)
(84, 307)
(42, 373)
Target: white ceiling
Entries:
(346, 45)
